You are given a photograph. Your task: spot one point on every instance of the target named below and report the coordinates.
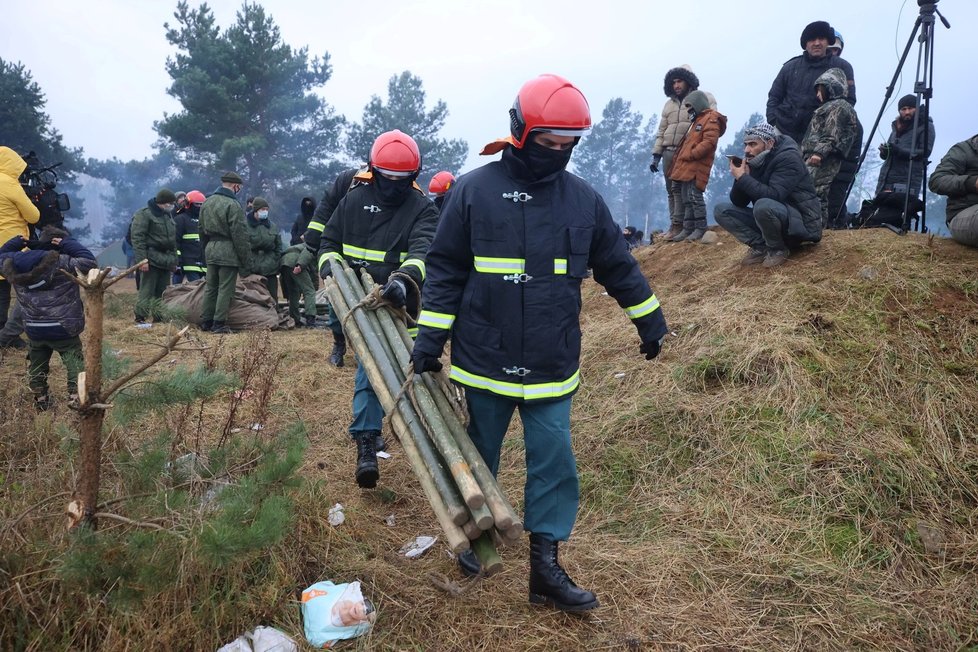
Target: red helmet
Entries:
(195, 197)
(549, 103)
(395, 153)
(441, 182)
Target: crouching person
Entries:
(53, 311)
(298, 283)
(774, 206)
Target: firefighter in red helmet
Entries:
(439, 185)
(515, 240)
(384, 224)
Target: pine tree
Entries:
(405, 109)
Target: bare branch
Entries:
(118, 384)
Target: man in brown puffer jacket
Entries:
(673, 124)
(693, 162)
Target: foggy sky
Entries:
(101, 63)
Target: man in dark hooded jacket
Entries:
(773, 206)
(307, 208)
(791, 102)
(53, 312)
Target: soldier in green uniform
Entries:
(154, 239)
(830, 135)
(266, 245)
(298, 283)
(227, 251)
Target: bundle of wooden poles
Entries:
(425, 415)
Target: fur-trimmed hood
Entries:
(30, 268)
(683, 72)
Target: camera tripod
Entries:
(923, 89)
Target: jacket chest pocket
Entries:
(489, 230)
(579, 248)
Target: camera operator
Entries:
(17, 213)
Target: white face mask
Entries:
(262, 215)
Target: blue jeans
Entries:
(368, 415)
(551, 493)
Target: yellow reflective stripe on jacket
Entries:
(488, 265)
(194, 268)
(326, 256)
(374, 255)
(560, 265)
(415, 262)
(191, 236)
(317, 226)
(528, 391)
(640, 310)
(436, 319)
(413, 332)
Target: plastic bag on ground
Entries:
(263, 639)
(334, 612)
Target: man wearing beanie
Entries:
(773, 207)
(154, 239)
(905, 151)
(791, 100)
(673, 124)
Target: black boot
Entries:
(550, 584)
(339, 350)
(310, 321)
(221, 328)
(379, 443)
(367, 470)
(468, 563)
(207, 324)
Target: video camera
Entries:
(39, 184)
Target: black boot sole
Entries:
(469, 567)
(536, 598)
(367, 478)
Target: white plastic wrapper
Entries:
(334, 612)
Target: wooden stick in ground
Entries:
(485, 550)
(430, 464)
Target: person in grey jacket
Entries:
(956, 176)
(53, 312)
(773, 206)
(904, 145)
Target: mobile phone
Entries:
(736, 160)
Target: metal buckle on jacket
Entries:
(372, 208)
(517, 196)
(517, 371)
(518, 278)
(359, 263)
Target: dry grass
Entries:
(798, 470)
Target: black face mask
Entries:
(392, 192)
(543, 161)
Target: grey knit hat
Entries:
(762, 130)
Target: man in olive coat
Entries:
(226, 250)
(154, 239)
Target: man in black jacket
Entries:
(791, 100)
(385, 225)
(904, 145)
(773, 202)
(515, 240)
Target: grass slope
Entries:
(798, 470)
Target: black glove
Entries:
(325, 271)
(395, 293)
(424, 362)
(650, 349)
(654, 166)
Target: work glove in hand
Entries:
(650, 349)
(424, 362)
(325, 271)
(654, 166)
(395, 293)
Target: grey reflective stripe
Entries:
(43, 324)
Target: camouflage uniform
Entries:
(830, 134)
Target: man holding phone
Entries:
(773, 206)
